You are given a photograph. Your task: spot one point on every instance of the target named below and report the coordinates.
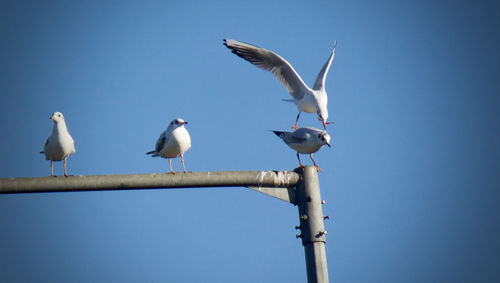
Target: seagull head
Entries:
(178, 122)
(57, 116)
(324, 138)
(322, 116)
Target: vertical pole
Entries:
(312, 228)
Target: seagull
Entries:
(60, 144)
(308, 100)
(173, 142)
(305, 140)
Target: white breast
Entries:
(178, 142)
(59, 146)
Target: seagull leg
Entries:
(51, 169)
(65, 173)
(296, 122)
(300, 163)
(182, 161)
(170, 164)
(316, 165)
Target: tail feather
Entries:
(151, 152)
(278, 133)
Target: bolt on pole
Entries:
(308, 199)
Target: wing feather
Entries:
(320, 79)
(160, 144)
(272, 62)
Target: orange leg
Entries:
(296, 122)
(300, 163)
(316, 165)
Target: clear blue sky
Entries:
(411, 182)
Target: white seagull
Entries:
(305, 140)
(60, 144)
(309, 100)
(173, 142)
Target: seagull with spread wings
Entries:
(308, 100)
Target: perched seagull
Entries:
(173, 142)
(305, 140)
(308, 100)
(60, 144)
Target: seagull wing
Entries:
(162, 141)
(270, 61)
(46, 143)
(294, 137)
(320, 80)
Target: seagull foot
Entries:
(317, 168)
(171, 172)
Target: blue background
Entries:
(411, 183)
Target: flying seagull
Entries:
(306, 141)
(173, 142)
(308, 100)
(60, 144)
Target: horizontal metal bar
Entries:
(283, 179)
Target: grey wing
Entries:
(45, 146)
(270, 61)
(303, 134)
(320, 80)
(160, 143)
(294, 137)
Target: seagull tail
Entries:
(289, 100)
(42, 151)
(278, 133)
(151, 152)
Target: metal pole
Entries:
(271, 179)
(312, 228)
(275, 183)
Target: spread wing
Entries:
(270, 61)
(320, 80)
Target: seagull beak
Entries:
(328, 144)
(184, 123)
(324, 124)
(52, 118)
